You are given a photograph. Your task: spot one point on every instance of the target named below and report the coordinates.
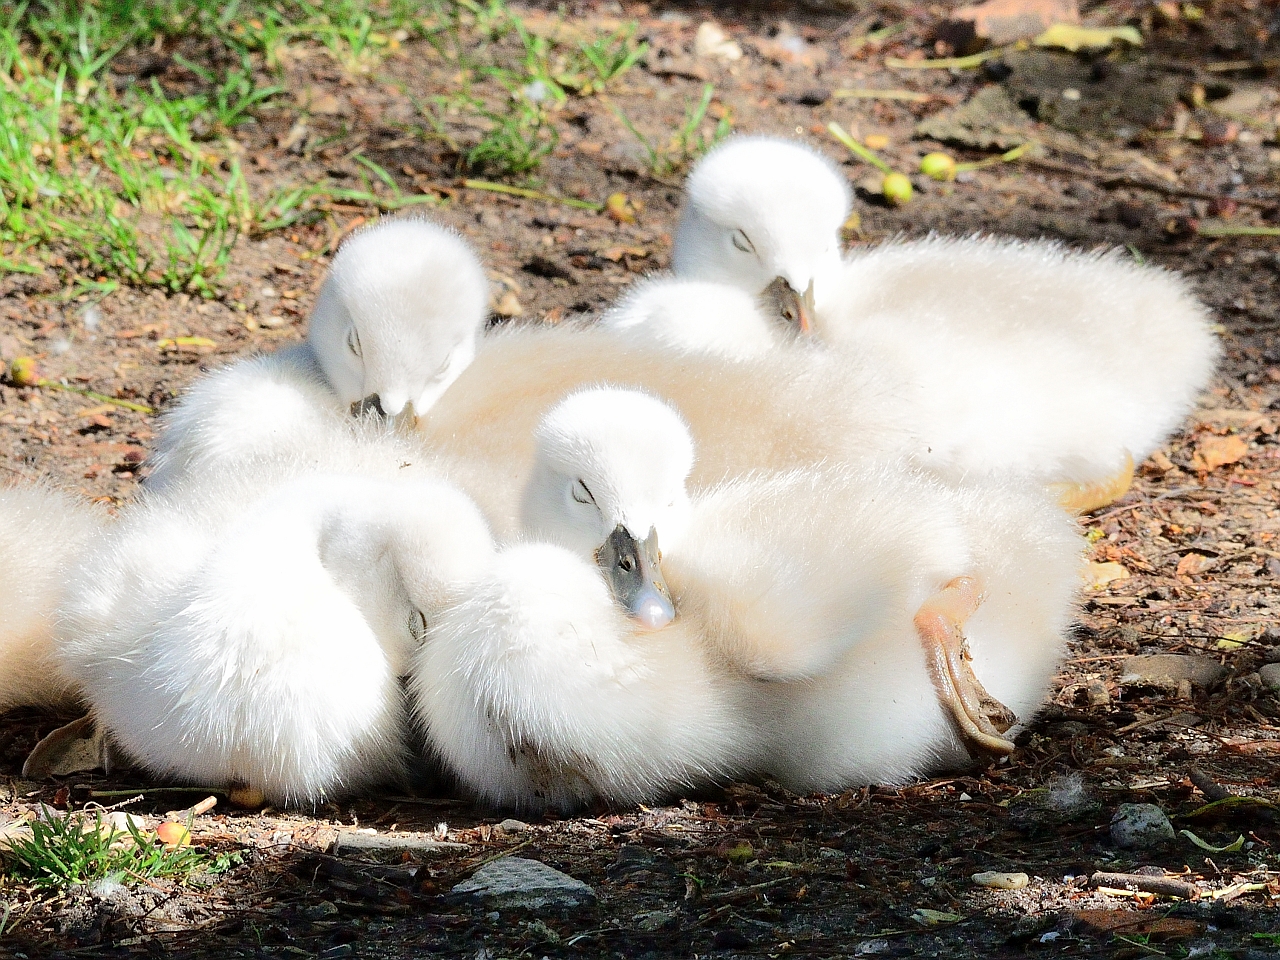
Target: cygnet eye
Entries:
(742, 243)
(442, 369)
(627, 564)
(353, 342)
(418, 625)
(581, 493)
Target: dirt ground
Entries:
(1165, 143)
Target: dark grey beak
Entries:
(370, 406)
(788, 304)
(631, 568)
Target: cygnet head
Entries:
(397, 319)
(764, 215)
(609, 484)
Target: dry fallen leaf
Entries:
(1075, 38)
(1191, 564)
(186, 344)
(507, 305)
(1213, 452)
(620, 208)
(614, 254)
(1098, 575)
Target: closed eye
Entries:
(581, 493)
(418, 625)
(741, 241)
(353, 342)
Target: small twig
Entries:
(532, 194)
(856, 148)
(1207, 785)
(1162, 886)
(1145, 947)
(736, 891)
(861, 94)
(93, 794)
(505, 853)
(92, 395)
(190, 813)
(1227, 230)
(947, 63)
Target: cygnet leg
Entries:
(1082, 498)
(981, 717)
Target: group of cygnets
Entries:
(785, 512)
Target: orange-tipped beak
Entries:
(790, 305)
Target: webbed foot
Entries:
(981, 718)
(1082, 498)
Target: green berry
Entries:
(939, 166)
(896, 188)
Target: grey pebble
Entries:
(522, 884)
(1137, 825)
(1270, 674)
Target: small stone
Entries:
(1137, 825)
(319, 911)
(513, 826)
(1270, 674)
(712, 41)
(380, 843)
(1001, 881)
(516, 883)
(1167, 671)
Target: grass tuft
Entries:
(83, 848)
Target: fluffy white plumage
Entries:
(43, 532)
(537, 689)
(254, 627)
(795, 651)
(1020, 356)
(698, 315)
(1027, 356)
(808, 583)
(797, 406)
(396, 320)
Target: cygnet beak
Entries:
(790, 304)
(370, 406)
(631, 568)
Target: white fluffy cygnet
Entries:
(394, 325)
(43, 533)
(559, 677)
(846, 596)
(1022, 356)
(824, 617)
(252, 630)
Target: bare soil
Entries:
(752, 869)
